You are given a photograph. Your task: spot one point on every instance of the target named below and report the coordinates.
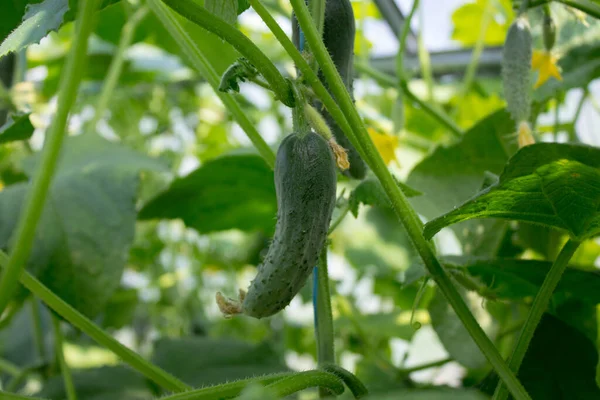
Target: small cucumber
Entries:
(305, 184)
(516, 68)
(338, 36)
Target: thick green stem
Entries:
(203, 66)
(65, 371)
(538, 308)
(212, 23)
(305, 380)
(116, 65)
(323, 316)
(358, 389)
(402, 207)
(78, 320)
(434, 112)
(36, 196)
(227, 390)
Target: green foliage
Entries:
(542, 184)
(16, 127)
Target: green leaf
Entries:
(226, 9)
(17, 127)
(550, 184)
(453, 334)
(87, 226)
(371, 193)
(467, 20)
(202, 361)
(517, 279)
(438, 393)
(38, 21)
(560, 363)
(235, 191)
(120, 309)
(104, 383)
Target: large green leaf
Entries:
(560, 363)
(453, 174)
(551, 184)
(235, 191)
(200, 361)
(87, 226)
(105, 383)
(17, 127)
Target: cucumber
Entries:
(305, 184)
(516, 68)
(338, 36)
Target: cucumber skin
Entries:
(339, 31)
(305, 184)
(516, 69)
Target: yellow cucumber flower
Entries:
(545, 63)
(386, 145)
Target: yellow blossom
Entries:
(525, 138)
(545, 63)
(386, 145)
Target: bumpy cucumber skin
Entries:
(305, 184)
(338, 36)
(516, 69)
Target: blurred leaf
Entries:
(467, 20)
(235, 191)
(453, 174)
(438, 393)
(453, 334)
(17, 342)
(473, 107)
(17, 127)
(105, 383)
(371, 193)
(205, 361)
(551, 184)
(518, 279)
(226, 9)
(87, 226)
(120, 309)
(560, 363)
(380, 326)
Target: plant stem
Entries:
(203, 66)
(36, 196)
(400, 203)
(116, 65)
(78, 320)
(65, 371)
(488, 14)
(12, 396)
(38, 330)
(323, 315)
(212, 23)
(305, 380)
(424, 59)
(588, 7)
(402, 372)
(227, 390)
(573, 130)
(387, 80)
(9, 368)
(357, 388)
(400, 71)
(538, 308)
(339, 219)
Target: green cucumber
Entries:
(516, 69)
(305, 184)
(338, 36)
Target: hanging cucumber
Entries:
(516, 68)
(338, 37)
(305, 184)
